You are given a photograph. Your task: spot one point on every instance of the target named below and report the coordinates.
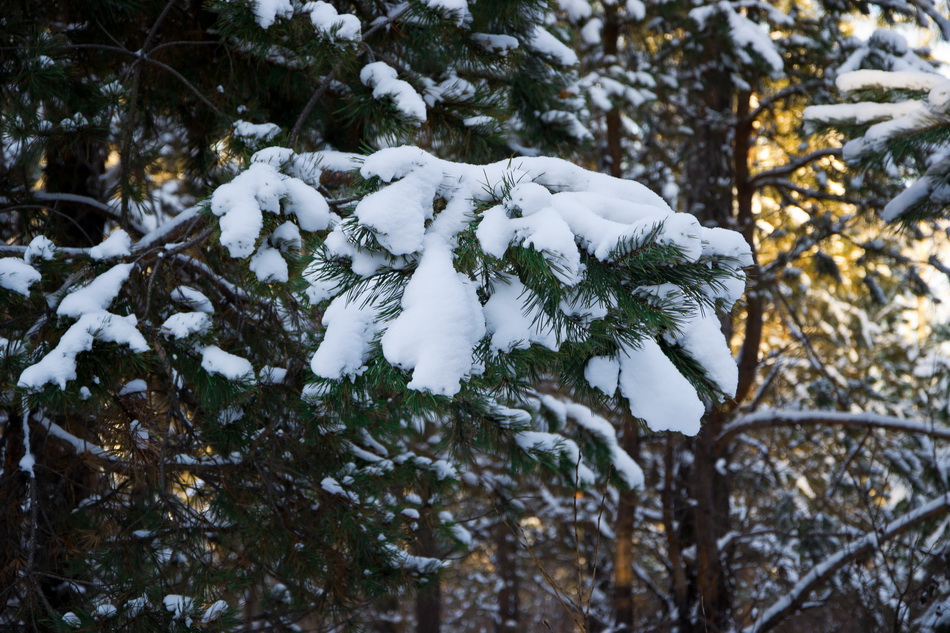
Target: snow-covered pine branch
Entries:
(769, 418)
(796, 596)
(910, 128)
(448, 268)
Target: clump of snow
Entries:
(336, 26)
(657, 392)
(17, 275)
(382, 78)
(501, 44)
(180, 607)
(541, 41)
(118, 244)
(214, 611)
(242, 202)
(255, 132)
(576, 10)
(192, 298)
(887, 80)
(97, 295)
(59, 365)
(440, 323)
(269, 265)
(272, 375)
(133, 387)
(215, 360)
(72, 620)
(184, 324)
(351, 327)
(40, 247)
(458, 9)
(267, 11)
(510, 324)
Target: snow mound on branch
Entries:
(541, 41)
(336, 26)
(435, 321)
(267, 11)
(17, 275)
(457, 8)
(242, 202)
(118, 244)
(351, 328)
(440, 324)
(97, 295)
(192, 298)
(215, 360)
(59, 365)
(185, 324)
(657, 392)
(382, 78)
(41, 247)
(892, 123)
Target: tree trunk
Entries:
(623, 529)
(428, 595)
(506, 556)
(613, 157)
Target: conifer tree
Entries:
(218, 356)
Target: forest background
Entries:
(261, 369)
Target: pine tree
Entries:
(219, 358)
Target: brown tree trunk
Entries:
(429, 595)
(506, 556)
(613, 158)
(623, 529)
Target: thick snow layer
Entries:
(863, 112)
(118, 244)
(337, 26)
(440, 324)
(562, 211)
(39, 248)
(401, 233)
(576, 10)
(657, 392)
(17, 275)
(887, 80)
(215, 360)
(267, 11)
(603, 373)
(351, 326)
(97, 295)
(382, 78)
(242, 202)
(59, 365)
(701, 336)
(269, 266)
(185, 324)
(541, 41)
